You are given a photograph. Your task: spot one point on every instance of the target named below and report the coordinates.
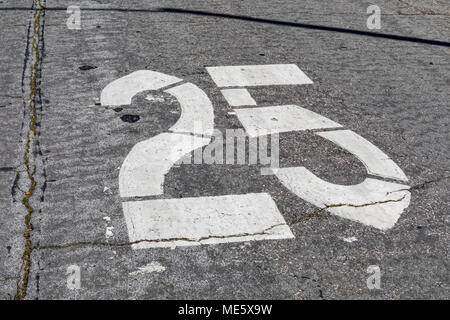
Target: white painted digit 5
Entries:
(373, 202)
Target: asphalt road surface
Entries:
(71, 229)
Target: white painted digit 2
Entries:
(185, 221)
(142, 173)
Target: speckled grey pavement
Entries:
(394, 93)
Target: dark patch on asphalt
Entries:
(87, 67)
(118, 109)
(131, 118)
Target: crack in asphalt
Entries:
(421, 185)
(199, 240)
(4, 279)
(8, 169)
(126, 244)
(328, 206)
(28, 158)
(264, 232)
(30, 172)
(315, 213)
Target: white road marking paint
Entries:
(258, 75)
(350, 239)
(107, 190)
(188, 221)
(376, 161)
(154, 266)
(197, 113)
(269, 120)
(268, 171)
(233, 218)
(373, 202)
(204, 220)
(238, 97)
(107, 219)
(122, 90)
(153, 98)
(143, 170)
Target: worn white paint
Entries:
(107, 190)
(258, 75)
(152, 267)
(376, 161)
(197, 113)
(350, 239)
(143, 170)
(248, 217)
(362, 202)
(204, 220)
(122, 90)
(269, 120)
(238, 97)
(154, 98)
(187, 221)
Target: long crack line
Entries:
(8, 278)
(421, 185)
(328, 206)
(30, 169)
(126, 244)
(316, 213)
